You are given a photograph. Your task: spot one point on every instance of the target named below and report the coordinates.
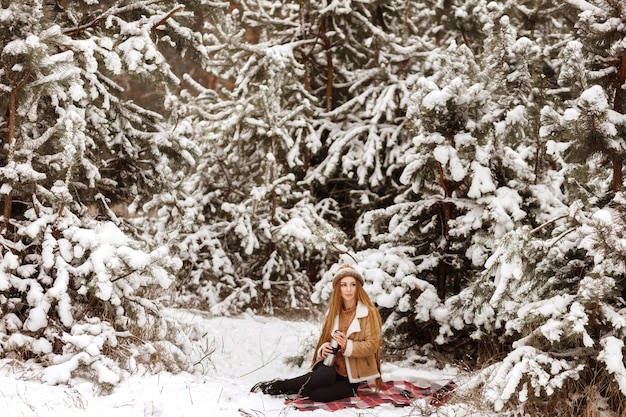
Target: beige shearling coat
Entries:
(362, 352)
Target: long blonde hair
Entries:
(334, 306)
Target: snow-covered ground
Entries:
(238, 353)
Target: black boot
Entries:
(268, 387)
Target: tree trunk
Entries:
(329, 65)
(617, 172)
(618, 106)
(11, 143)
(306, 62)
(445, 215)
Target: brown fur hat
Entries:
(346, 270)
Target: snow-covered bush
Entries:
(74, 278)
(556, 299)
(236, 260)
(70, 288)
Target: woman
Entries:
(355, 324)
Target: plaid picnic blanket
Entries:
(398, 393)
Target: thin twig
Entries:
(260, 367)
(548, 223)
(561, 236)
(170, 14)
(190, 397)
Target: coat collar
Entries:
(355, 326)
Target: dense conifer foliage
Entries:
(75, 150)
(465, 156)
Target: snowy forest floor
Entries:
(237, 353)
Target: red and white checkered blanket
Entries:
(398, 393)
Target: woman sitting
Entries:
(354, 323)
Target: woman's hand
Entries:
(326, 350)
(341, 339)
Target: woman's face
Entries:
(348, 290)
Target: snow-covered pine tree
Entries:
(369, 55)
(476, 169)
(599, 40)
(552, 298)
(358, 56)
(252, 237)
(342, 73)
(463, 158)
(72, 274)
(552, 294)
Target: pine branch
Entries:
(114, 11)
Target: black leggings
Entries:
(321, 384)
